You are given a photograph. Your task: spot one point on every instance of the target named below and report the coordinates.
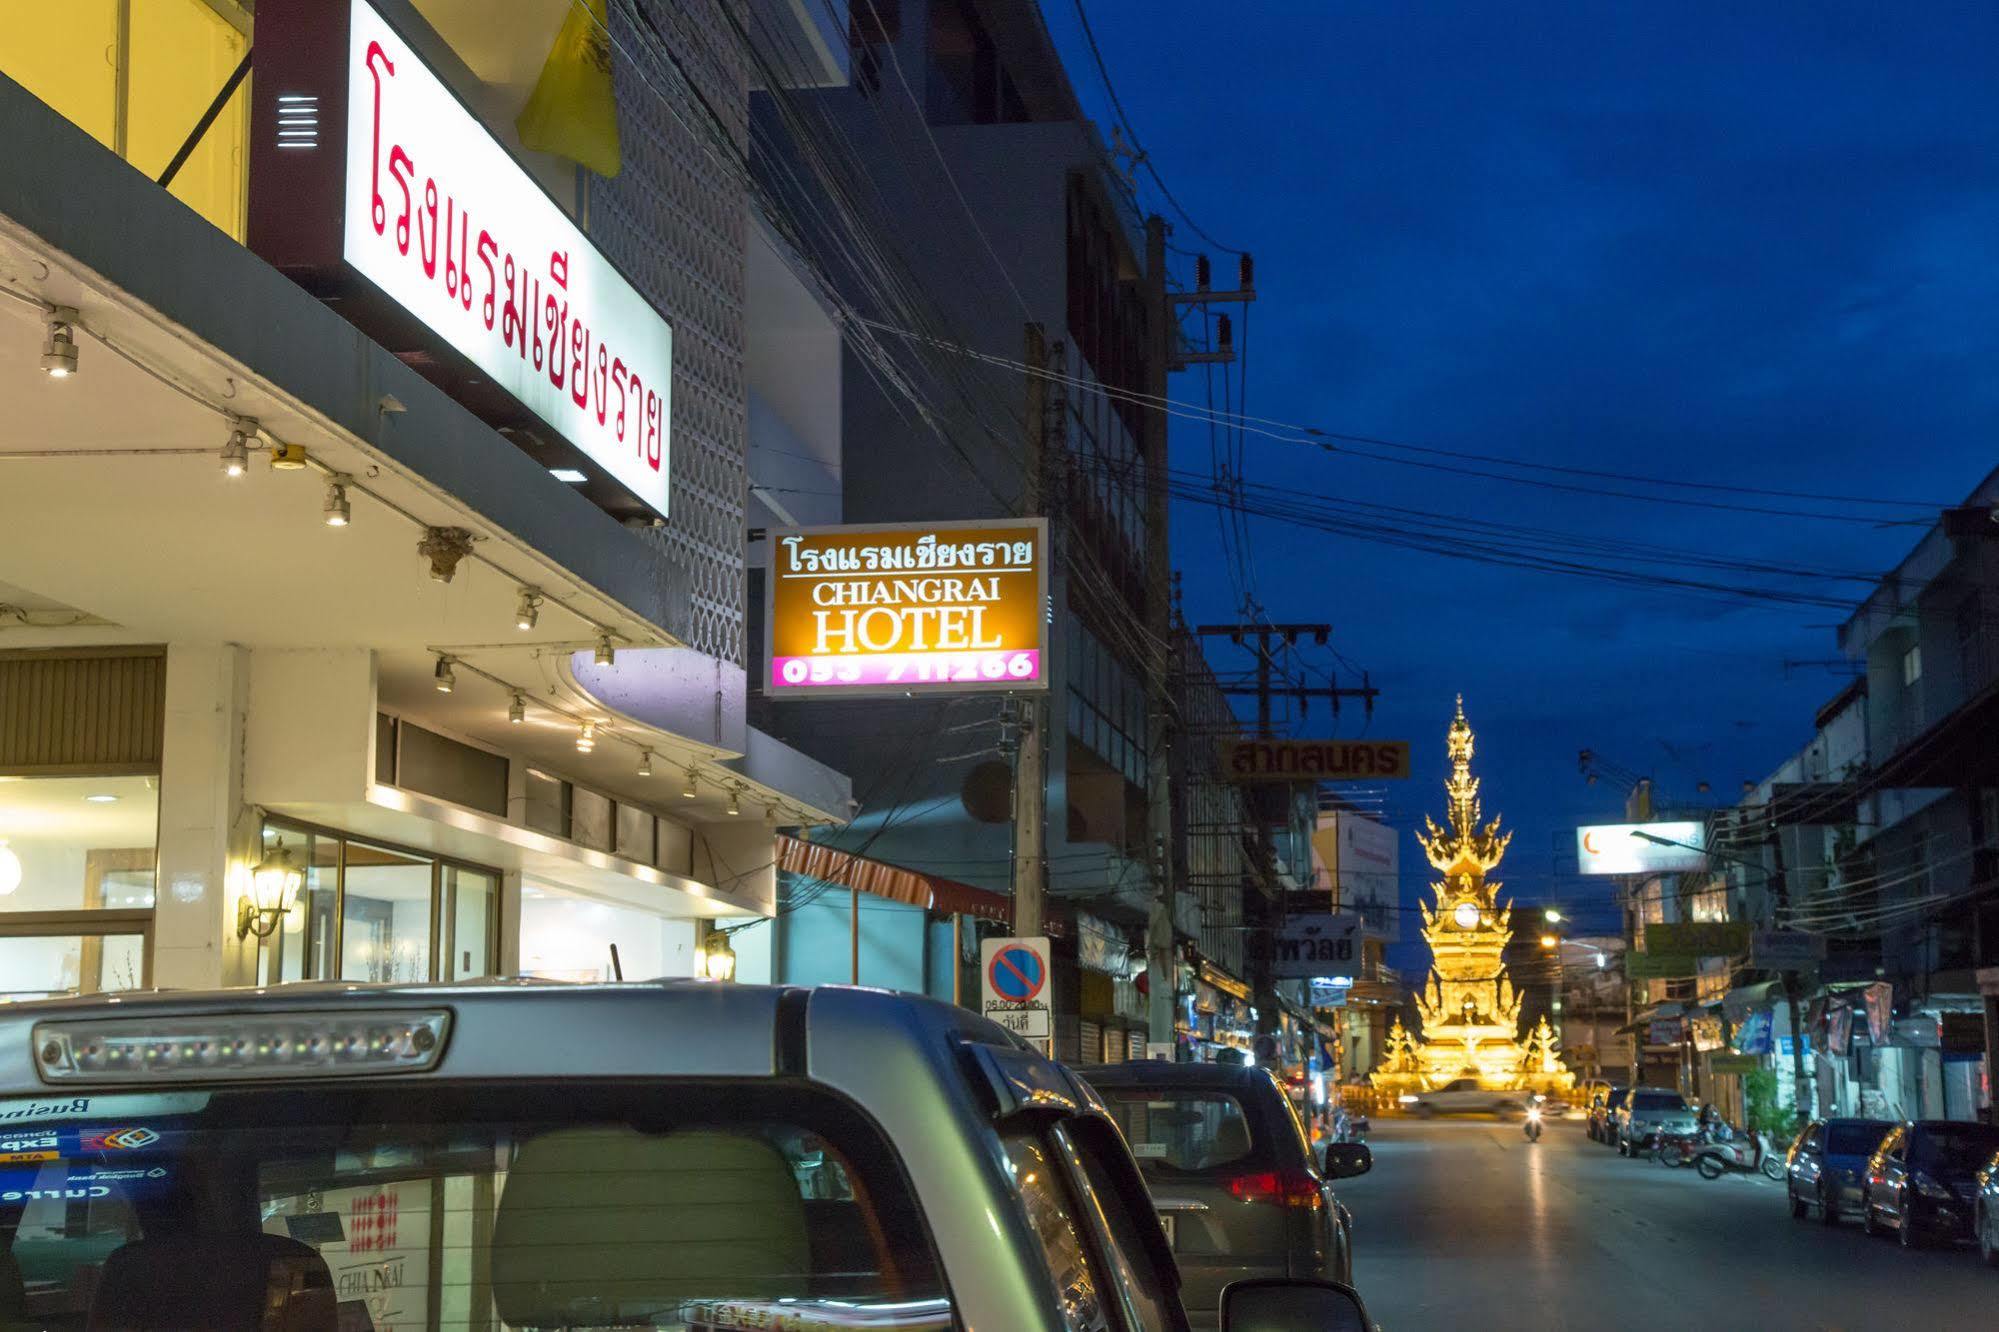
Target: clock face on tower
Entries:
(1466, 915)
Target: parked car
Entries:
(724, 1157)
(1603, 1108)
(1232, 1174)
(1647, 1111)
(1922, 1182)
(1465, 1097)
(1985, 1213)
(1826, 1166)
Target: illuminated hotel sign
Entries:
(373, 185)
(908, 608)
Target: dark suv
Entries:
(1603, 1108)
(1231, 1173)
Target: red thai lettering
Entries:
(377, 208)
(603, 364)
(555, 321)
(618, 376)
(403, 169)
(511, 331)
(488, 250)
(579, 364)
(427, 253)
(653, 423)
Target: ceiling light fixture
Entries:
(446, 678)
(735, 807)
(528, 609)
(59, 344)
(645, 763)
(687, 788)
(586, 737)
(606, 654)
(102, 798)
(236, 449)
(338, 511)
(568, 474)
(517, 711)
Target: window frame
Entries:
(273, 957)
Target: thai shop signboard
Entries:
(907, 608)
(373, 186)
(1313, 760)
(1733, 1063)
(1709, 938)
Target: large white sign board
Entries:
(442, 220)
(1663, 848)
(1014, 986)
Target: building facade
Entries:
(327, 649)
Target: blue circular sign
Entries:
(1016, 974)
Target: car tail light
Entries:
(1286, 1188)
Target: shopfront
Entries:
(79, 822)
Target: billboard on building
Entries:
(1641, 848)
(373, 185)
(907, 608)
(1361, 861)
(1313, 760)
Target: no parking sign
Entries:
(1013, 986)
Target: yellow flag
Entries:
(572, 110)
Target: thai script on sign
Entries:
(1313, 760)
(956, 604)
(527, 305)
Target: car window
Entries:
(1813, 1138)
(1072, 1273)
(467, 1206)
(1140, 1285)
(1959, 1147)
(1175, 1132)
(1659, 1100)
(1618, 1098)
(1854, 1139)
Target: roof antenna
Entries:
(617, 968)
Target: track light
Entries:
(770, 816)
(338, 510)
(236, 451)
(59, 344)
(528, 609)
(687, 788)
(606, 654)
(735, 806)
(586, 737)
(445, 677)
(517, 711)
(645, 763)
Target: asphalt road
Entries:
(1464, 1224)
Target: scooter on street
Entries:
(1532, 1126)
(1744, 1154)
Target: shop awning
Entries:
(830, 864)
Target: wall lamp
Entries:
(274, 886)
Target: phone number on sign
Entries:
(907, 668)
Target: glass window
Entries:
(78, 843)
(566, 936)
(1179, 1132)
(1130, 1261)
(1854, 1139)
(470, 900)
(173, 57)
(1036, 1174)
(468, 1207)
(384, 915)
(42, 966)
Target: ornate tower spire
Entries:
(1463, 848)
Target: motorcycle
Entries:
(1532, 1126)
(1746, 1154)
(1674, 1150)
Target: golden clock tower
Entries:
(1469, 1008)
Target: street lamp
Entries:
(1552, 916)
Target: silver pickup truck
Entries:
(677, 1155)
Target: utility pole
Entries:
(1801, 1088)
(1030, 765)
(1265, 913)
(1160, 964)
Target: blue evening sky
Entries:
(1744, 245)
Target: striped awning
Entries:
(816, 860)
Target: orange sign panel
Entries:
(908, 608)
